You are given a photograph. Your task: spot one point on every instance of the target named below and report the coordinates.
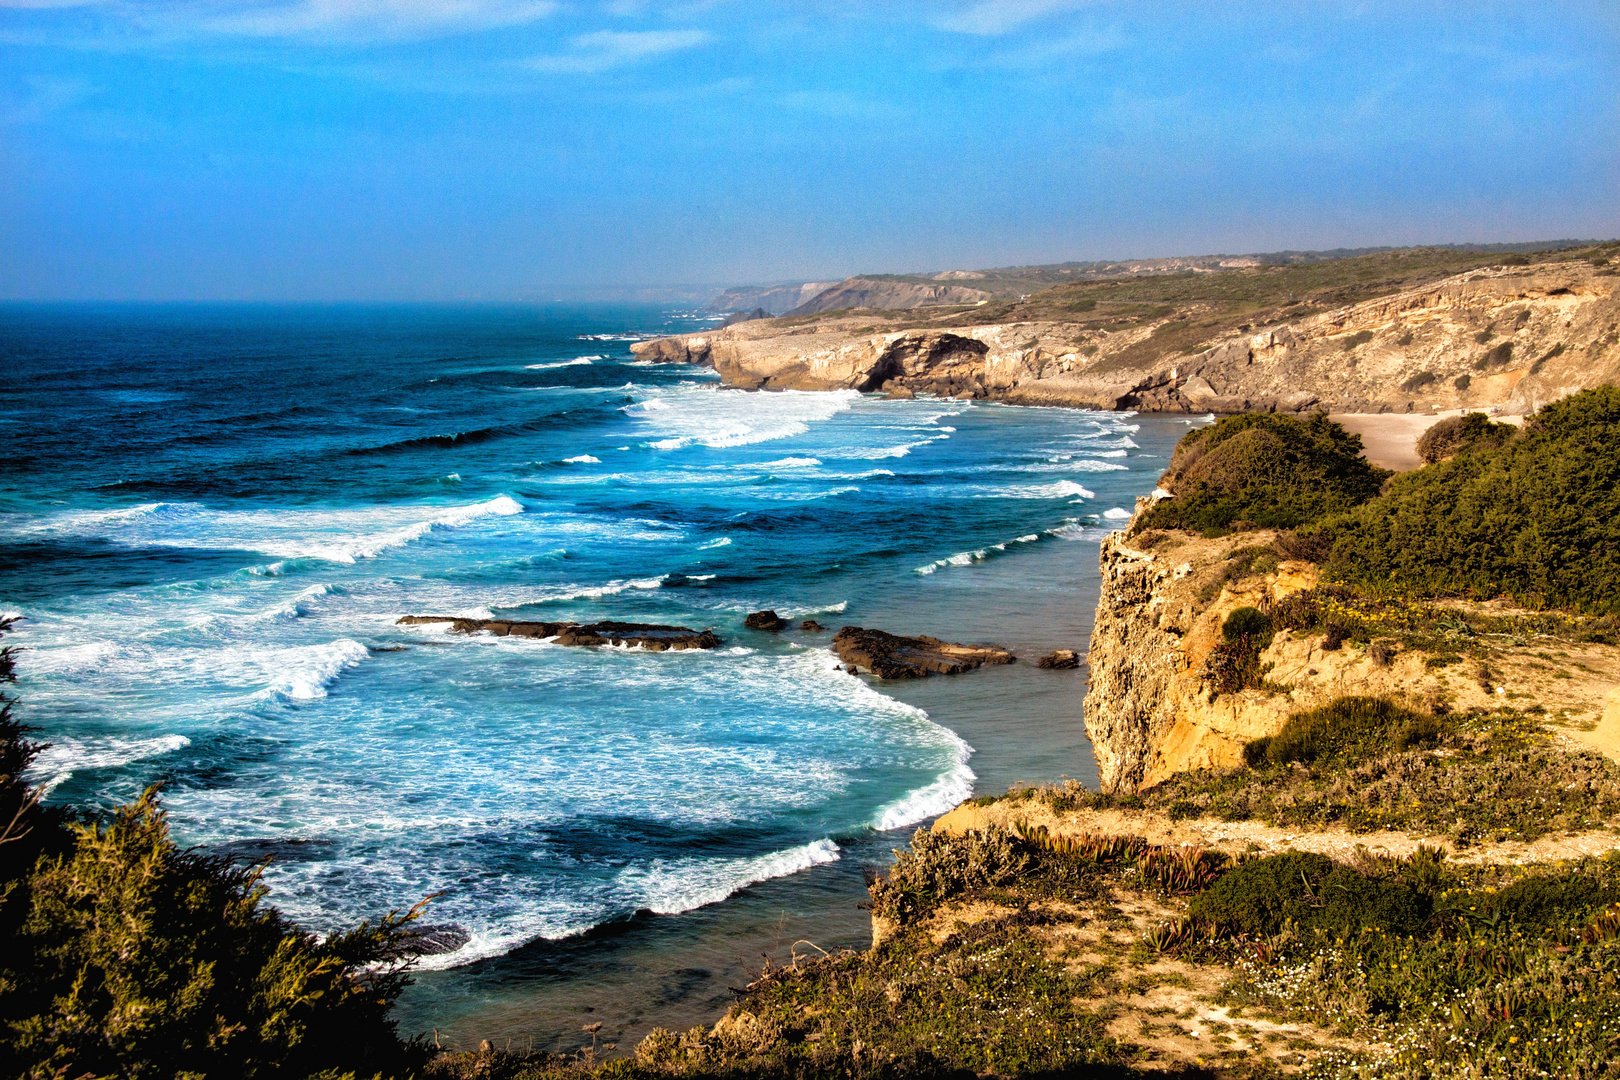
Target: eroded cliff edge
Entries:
(1506, 336)
(1154, 709)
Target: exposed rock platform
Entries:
(650, 636)
(890, 656)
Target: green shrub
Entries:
(1543, 901)
(1247, 622)
(1350, 728)
(1360, 337)
(940, 866)
(1537, 518)
(1260, 895)
(1419, 381)
(1265, 470)
(1312, 892)
(1468, 433)
(1462, 382)
(1497, 357)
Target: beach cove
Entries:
(210, 601)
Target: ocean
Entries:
(212, 517)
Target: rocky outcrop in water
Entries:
(1060, 660)
(651, 636)
(890, 656)
(765, 620)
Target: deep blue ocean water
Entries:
(212, 517)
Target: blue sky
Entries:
(531, 149)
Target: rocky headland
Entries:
(1412, 339)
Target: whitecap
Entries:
(953, 788)
(968, 558)
(66, 754)
(1117, 513)
(724, 541)
(671, 886)
(1059, 489)
(726, 418)
(582, 459)
(306, 671)
(576, 362)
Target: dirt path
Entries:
(1235, 837)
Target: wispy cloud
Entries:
(991, 18)
(604, 50)
(361, 20)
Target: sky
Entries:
(493, 150)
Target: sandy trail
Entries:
(1236, 837)
(1389, 440)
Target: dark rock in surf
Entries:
(1059, 660)
(889, 656)
(810, 626)
(650, 636)
(432, 940)
(765, 620)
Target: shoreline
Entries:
(676, 971)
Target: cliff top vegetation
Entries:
(1261, 470)
(1196, 307)
(1533, 516)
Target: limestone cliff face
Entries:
(1151, 712)
(1511, 338)
(883, 295)
(1148, 710)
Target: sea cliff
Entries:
(1509, 336)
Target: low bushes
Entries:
(1536, 517)
(1265, 470)
(1351, 729)
(1462, 434)
(1311, 892)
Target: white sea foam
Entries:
(724, 541)
(582, 459)
(1123, 442)
(1117, 513)
(306, 671)
(66, 755)
(967, 558)
(951, 789)
(788, 463)
(576, 362)
(1059, 489)
(669, 887)
(299, 605)
(342, 536)
(826, 609)
(725, 418)
(1074, 529)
